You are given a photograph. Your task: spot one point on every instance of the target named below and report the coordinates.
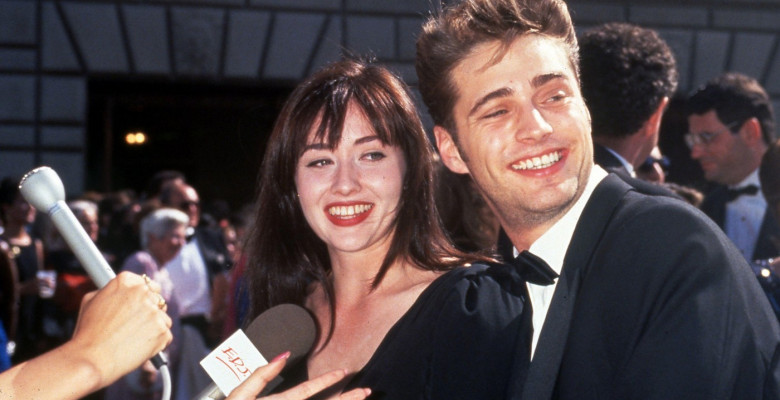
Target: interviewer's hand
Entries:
(121, 326)
(249, 389)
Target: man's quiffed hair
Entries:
(735, 98)
(625, 73)
(449, 36)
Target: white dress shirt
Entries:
(551, 247)
(742, 222)
(191, 281)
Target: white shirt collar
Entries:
(751, 179)
(552, 245)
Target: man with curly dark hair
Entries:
(628, 73)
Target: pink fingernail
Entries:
(282, 356)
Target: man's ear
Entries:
(653, 124)
(448, 151)
(750, 131)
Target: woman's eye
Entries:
(374, 156)
(317, 163)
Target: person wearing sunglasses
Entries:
(731, 124)
(200, 275)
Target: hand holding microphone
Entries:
(43, 189)
(286, 331)
(118, 328)
(121, 326)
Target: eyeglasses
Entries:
(705, 138)
(186, 205)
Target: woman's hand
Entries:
(250, 388)
(121, 326)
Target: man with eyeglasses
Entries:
(199, 275)
(731, 124)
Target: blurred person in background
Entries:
(162, 234)
(769, 175)
(159, 180)
(9, 303)
(654, 168)
(629, 71)
(28, 256)
(238, 295)
(73, 282)
(199, 273)
(117, 237)
(731, 125)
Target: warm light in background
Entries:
(135, 138)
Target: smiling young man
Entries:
(652, 301)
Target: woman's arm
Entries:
(119, 327)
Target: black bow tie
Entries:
(533, 269)
(733, 194)
(189, 233)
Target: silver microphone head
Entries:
(42, 188)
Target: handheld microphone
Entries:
(43, 188)
(285, 327)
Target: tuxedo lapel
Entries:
(543, 371)
(714, 205)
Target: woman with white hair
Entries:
(162, 235)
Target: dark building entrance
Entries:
(214, 134)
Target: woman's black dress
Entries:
(459, 340)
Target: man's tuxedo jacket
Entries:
(714, 205)
(653, 302)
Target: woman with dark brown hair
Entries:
(346, 226)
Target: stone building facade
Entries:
(52, 51)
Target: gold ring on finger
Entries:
(160, 302)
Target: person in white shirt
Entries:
(200, 278)
(731, 124)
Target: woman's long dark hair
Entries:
(285, 255)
